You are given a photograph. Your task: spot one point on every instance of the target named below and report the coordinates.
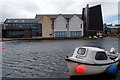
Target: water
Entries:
(44, 58)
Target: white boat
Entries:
(100, 36)
(95, 37)
(92, 60)
(90, 37)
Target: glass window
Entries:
(81, 51)
(13, 24)
(75, 33)
(6, 24)
(61, 34)
(17, 24)
(81, 25)
(101, 56)
(9, 24)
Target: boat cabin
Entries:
(91, 54)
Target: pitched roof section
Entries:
(53, 16)
(20, 21)
(38, 16)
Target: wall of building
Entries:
(93, 22)
(1, 25)
(76, 27)
(60, 27)
(47, 30)
(28, 33)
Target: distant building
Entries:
(108, 24)
(111, 30)
(117, 24)
(92, 19)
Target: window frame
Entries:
(84, 53)
(99, 53)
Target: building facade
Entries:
(47, 29)
(60, 27)
(92, 18)
(60, 24)
(76, 27)
(21, 28)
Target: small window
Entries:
(22, 20)
(15, 20)
(8, 20)
(101, 56)
(81, 25)
(81, 51)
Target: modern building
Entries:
(22, 28)
(92, 19)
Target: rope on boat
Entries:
(66, 72)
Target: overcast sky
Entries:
(29, 8)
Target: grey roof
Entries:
(53, 16)
(38, 16)
(20, 21)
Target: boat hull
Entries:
(90, 69)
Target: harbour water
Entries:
(34, 59)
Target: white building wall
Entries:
(76, 24)
(60, 24)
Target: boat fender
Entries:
(80, 69)
(111, 69)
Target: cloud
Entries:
(18, 10)
(29, 8)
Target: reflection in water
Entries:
(95, 77)
(46, 59)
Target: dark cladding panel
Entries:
(95, 18)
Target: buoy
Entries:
(112, 69)
(80, 69)
(3, 48)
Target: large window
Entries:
(36, 28)
(15, 33)
(76, 33)
(101, 56)
(81, 51)
(61, 34)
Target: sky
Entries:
(29, 8)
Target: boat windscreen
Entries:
(101, 56)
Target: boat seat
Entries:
(112, 57)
